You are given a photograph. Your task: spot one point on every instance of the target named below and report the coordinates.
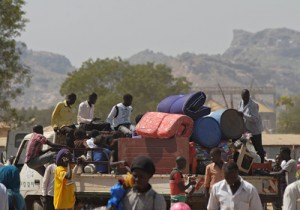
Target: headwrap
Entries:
(10, 178)
(60, 155)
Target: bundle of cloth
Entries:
(164, 125)
(190, 104)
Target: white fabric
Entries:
(123, 117)
(291, 168)
(3, 198)
(252, 118)
(90, 143)
(85, 112)
(291, 197)
(282, 163)
(48, 180)
(245, 198)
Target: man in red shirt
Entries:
(177, 184)
(35, 156)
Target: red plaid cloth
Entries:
(34, 146)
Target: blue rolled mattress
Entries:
(189, 104)
(207, 132)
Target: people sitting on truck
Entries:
(177, 183)
(142, 195)
(48, 187)
(290, 167)
(85, 116)
(233, 192)
(214, 171)
(64, 189)
(119, 116)
(10, 178)
(90, 142)
(36, 158)
(80, 142)
(62, 119)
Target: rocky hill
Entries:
(269, 58)
(48, 71)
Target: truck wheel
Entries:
(37, 205)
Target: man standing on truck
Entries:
(177, 185)
(233, 193)
(214, 172)
(253, 122)
(85, 116)
(62, 118)
(119, 116)
(36, 158)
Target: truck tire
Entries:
(37, 205)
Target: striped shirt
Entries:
(34, 146)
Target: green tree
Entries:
(13, 74)
(112, 78)
(289, 118)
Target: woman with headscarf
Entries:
(10, 178)
(64, 195)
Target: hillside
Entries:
(48, 71)
(269, 58)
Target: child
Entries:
(103, 155)
(64, 195)
(80, 142)
(90, 142)
(177, 185)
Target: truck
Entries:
(93, 189)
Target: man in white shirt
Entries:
(85, 116)
(47, 187)
(119, 116)
(291, 197)
(289, 168)
(233, 193)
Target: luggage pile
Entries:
(186, 116)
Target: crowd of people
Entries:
(94, 140)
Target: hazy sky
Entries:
(82, 29)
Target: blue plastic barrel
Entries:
(231, 123)
(207, 132)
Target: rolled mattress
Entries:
(175, 125)
(189, 104)
(149, 124)
(164, 125)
